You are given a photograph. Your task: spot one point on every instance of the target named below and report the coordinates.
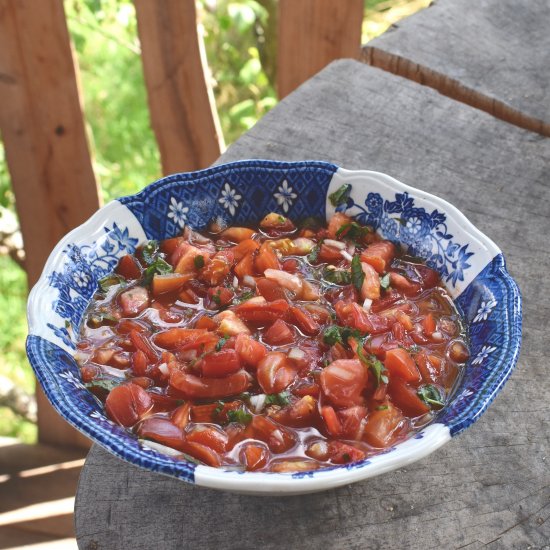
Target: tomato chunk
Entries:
(400, 363)
(262, 313)
(383, 426)
(275, 373)
(220, 364)
(379, 255)
(250, 351)
(343, 381)
(127, 403)
(406, 398)
(193, 387)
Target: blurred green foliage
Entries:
(239, 37)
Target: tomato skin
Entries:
(212, 437)
(270, 289)
(262, 313)
(220, 363)
(141, 342)
(400, 363)
(193, 387)
(162, 431)
(202, 452)
(279, 333)
(379, 255)
(343, 381)
(177, 337)
(305, 321)
(383, 426)
(266, 258)
(274, 372)
(371, 283)
(406, 398)
(128, 268)
(249, 350)
(277, 437)
(254, 456)
(342, 453)
(354, 316)
(337, 221)
(127, 403)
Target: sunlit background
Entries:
(125, 155)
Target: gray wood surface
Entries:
(494, 54)
(489, 487)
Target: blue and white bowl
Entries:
(471, 265)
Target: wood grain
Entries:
(489, 487)
(45, 142)
(491, 54)
(312, 33)
(181, 101)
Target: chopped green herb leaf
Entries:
(199, 261)
(346, 457)
(337, 276)
(357, 275)
(376, 366)
(353, 232)
(103, 383)
(221, 343)
(385, 281)
(382, 408)
(216, 297)
(111, 280)
(281, 399)
(244, 297)
(313, 256)
(150, 252)
(341, 195)
(335, 334)
(240, 416)
(219, 408)
(281, 219)
(159, 266)
(431, 395)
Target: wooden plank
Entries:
(46, 149)
(312, 33)
(491, 54)
(488, 487)
(181, 101)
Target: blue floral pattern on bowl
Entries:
(472, 266)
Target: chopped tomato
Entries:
(406, 398)
(237, 234)
(370, 289)
(202, 452)
(270, 289)
(459, 352)
(128, 267)
(245, 267)
(352, 420)
(181, 416)
(127, 403)
(333, 424)
(337, 222)
(342, 453)
(171, 282)
(219, 297)
(279, 333)
(143, 344)
(278, 438)
(304, 321)
(266, 258)
(383, 426)
(244, 248)
(177, 337)
(250, 351)
(134, 301)
(403, 284)
(291, 265)
(400, 363)
(218, 268)
(274, 223)
(185, 258)
(220, 364)
(343, 382)
(262, 313)
(428, 324)
(230, 324)
(254, 456)
(162, 431)
(193, 387)
(379, 255)
(274, 372)
(212, 437)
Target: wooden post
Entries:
(181, 101)
(312, 33)
(46, 149)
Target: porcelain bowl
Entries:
(471, 265)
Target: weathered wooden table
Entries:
(488, 487)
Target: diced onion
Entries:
(296, 353)
(346, 256)
(117, 373)
(367, 304)
(437, 335)
(351, 249)
(249, 281)
(163, 367)
(235, 282)
(258, 402)
(335, 244)
(341, 373)
(286, 280)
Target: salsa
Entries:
(280, 348)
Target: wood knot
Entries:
(60, 130)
